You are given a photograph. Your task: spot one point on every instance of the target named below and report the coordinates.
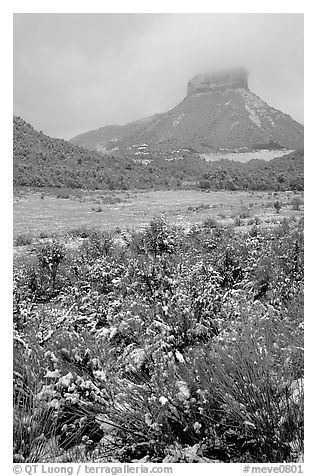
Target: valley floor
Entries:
(106, 210)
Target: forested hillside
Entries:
(42, 161)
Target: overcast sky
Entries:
(77, 72)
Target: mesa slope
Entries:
(218, 114)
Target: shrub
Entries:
(210, 223)
(246, 213)
(81, 232)
(63, 195)
(99, 243)
(159, 238)
(198, 208)
(238, 221)
(205, 185)
(277, 206)
(111, 200)
(297, 202)
(254, 220)
(254, 230)
(23, 239)
(255, 389)
(50, 255)
(31, 418)
(97, 209)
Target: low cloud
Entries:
(76, 72)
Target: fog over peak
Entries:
(226, 78)
(77, 72)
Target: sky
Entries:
(78, 72)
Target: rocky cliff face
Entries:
(210, 82)
(219, 115)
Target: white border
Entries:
(95, 6)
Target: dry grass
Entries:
(54, 215)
